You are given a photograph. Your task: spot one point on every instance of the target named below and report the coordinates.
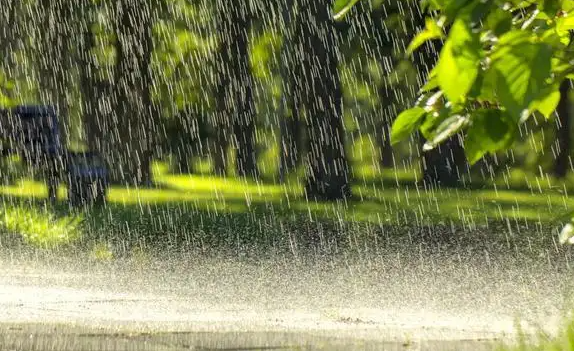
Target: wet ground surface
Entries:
(394, 302)
(34, 337)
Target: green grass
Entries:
(209, 211)
(562, 341)
(40, 227)
(200, 212)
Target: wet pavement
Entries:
(228, 305)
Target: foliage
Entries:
(562, 341)
(40, 227)
(194, 208)
(501, 63)
(341, 7)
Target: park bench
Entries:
(32, 133)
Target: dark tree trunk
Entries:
(94, 88)
(9, 31)
(327, 166)
(236, 107)
(290, 127)
(444, 165)
(290, 154)
(218, 143)
(135, 112)
(387, 158)
(244, 116)
(184, 164)
(54, 57)
(563, 132)
(383, 132)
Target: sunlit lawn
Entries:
(182, 201)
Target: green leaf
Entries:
(499, 21)
(445, 130)
(547, 104)
(432, 31)
(565, 23)
(432, 81)
(342, 7)
(459, 61)
(490, 131)
(521, 68)
(433, 120)
(550, 7)
(483, 88)
(452, 7)
(406, 123)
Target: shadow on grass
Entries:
(229, 215)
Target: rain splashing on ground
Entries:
(268, 174)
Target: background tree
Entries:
(134, 126)
(10, 32)
(320, 85)
(96, 75)
(236, 111)
(563, 132)
(54, 55)
(291, 127)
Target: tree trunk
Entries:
(54, 58)
(290, 147)
(184, 165)
(387, 158)
(9, 30)
(218, 143)
(93, 87)
(563, 132)
(135, 112)
(235, 93)
(445, 164)
(383, 133)
(244, 116)
(327, 166)
(290, 127)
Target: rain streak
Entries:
(293, 175)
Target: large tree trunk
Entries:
(445, 164)
(563, 132)
(290, 127)
(235, 103)
(54, 57)
(9, 32)
(95, 89)
(135, 113)
(327, 166)
(244, 116)
(387, 157)
(290, 143)
(388, 114)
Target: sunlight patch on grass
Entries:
(129, 196)
(31, 189)
(40, 227)
(457, 204)
(226, 186)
